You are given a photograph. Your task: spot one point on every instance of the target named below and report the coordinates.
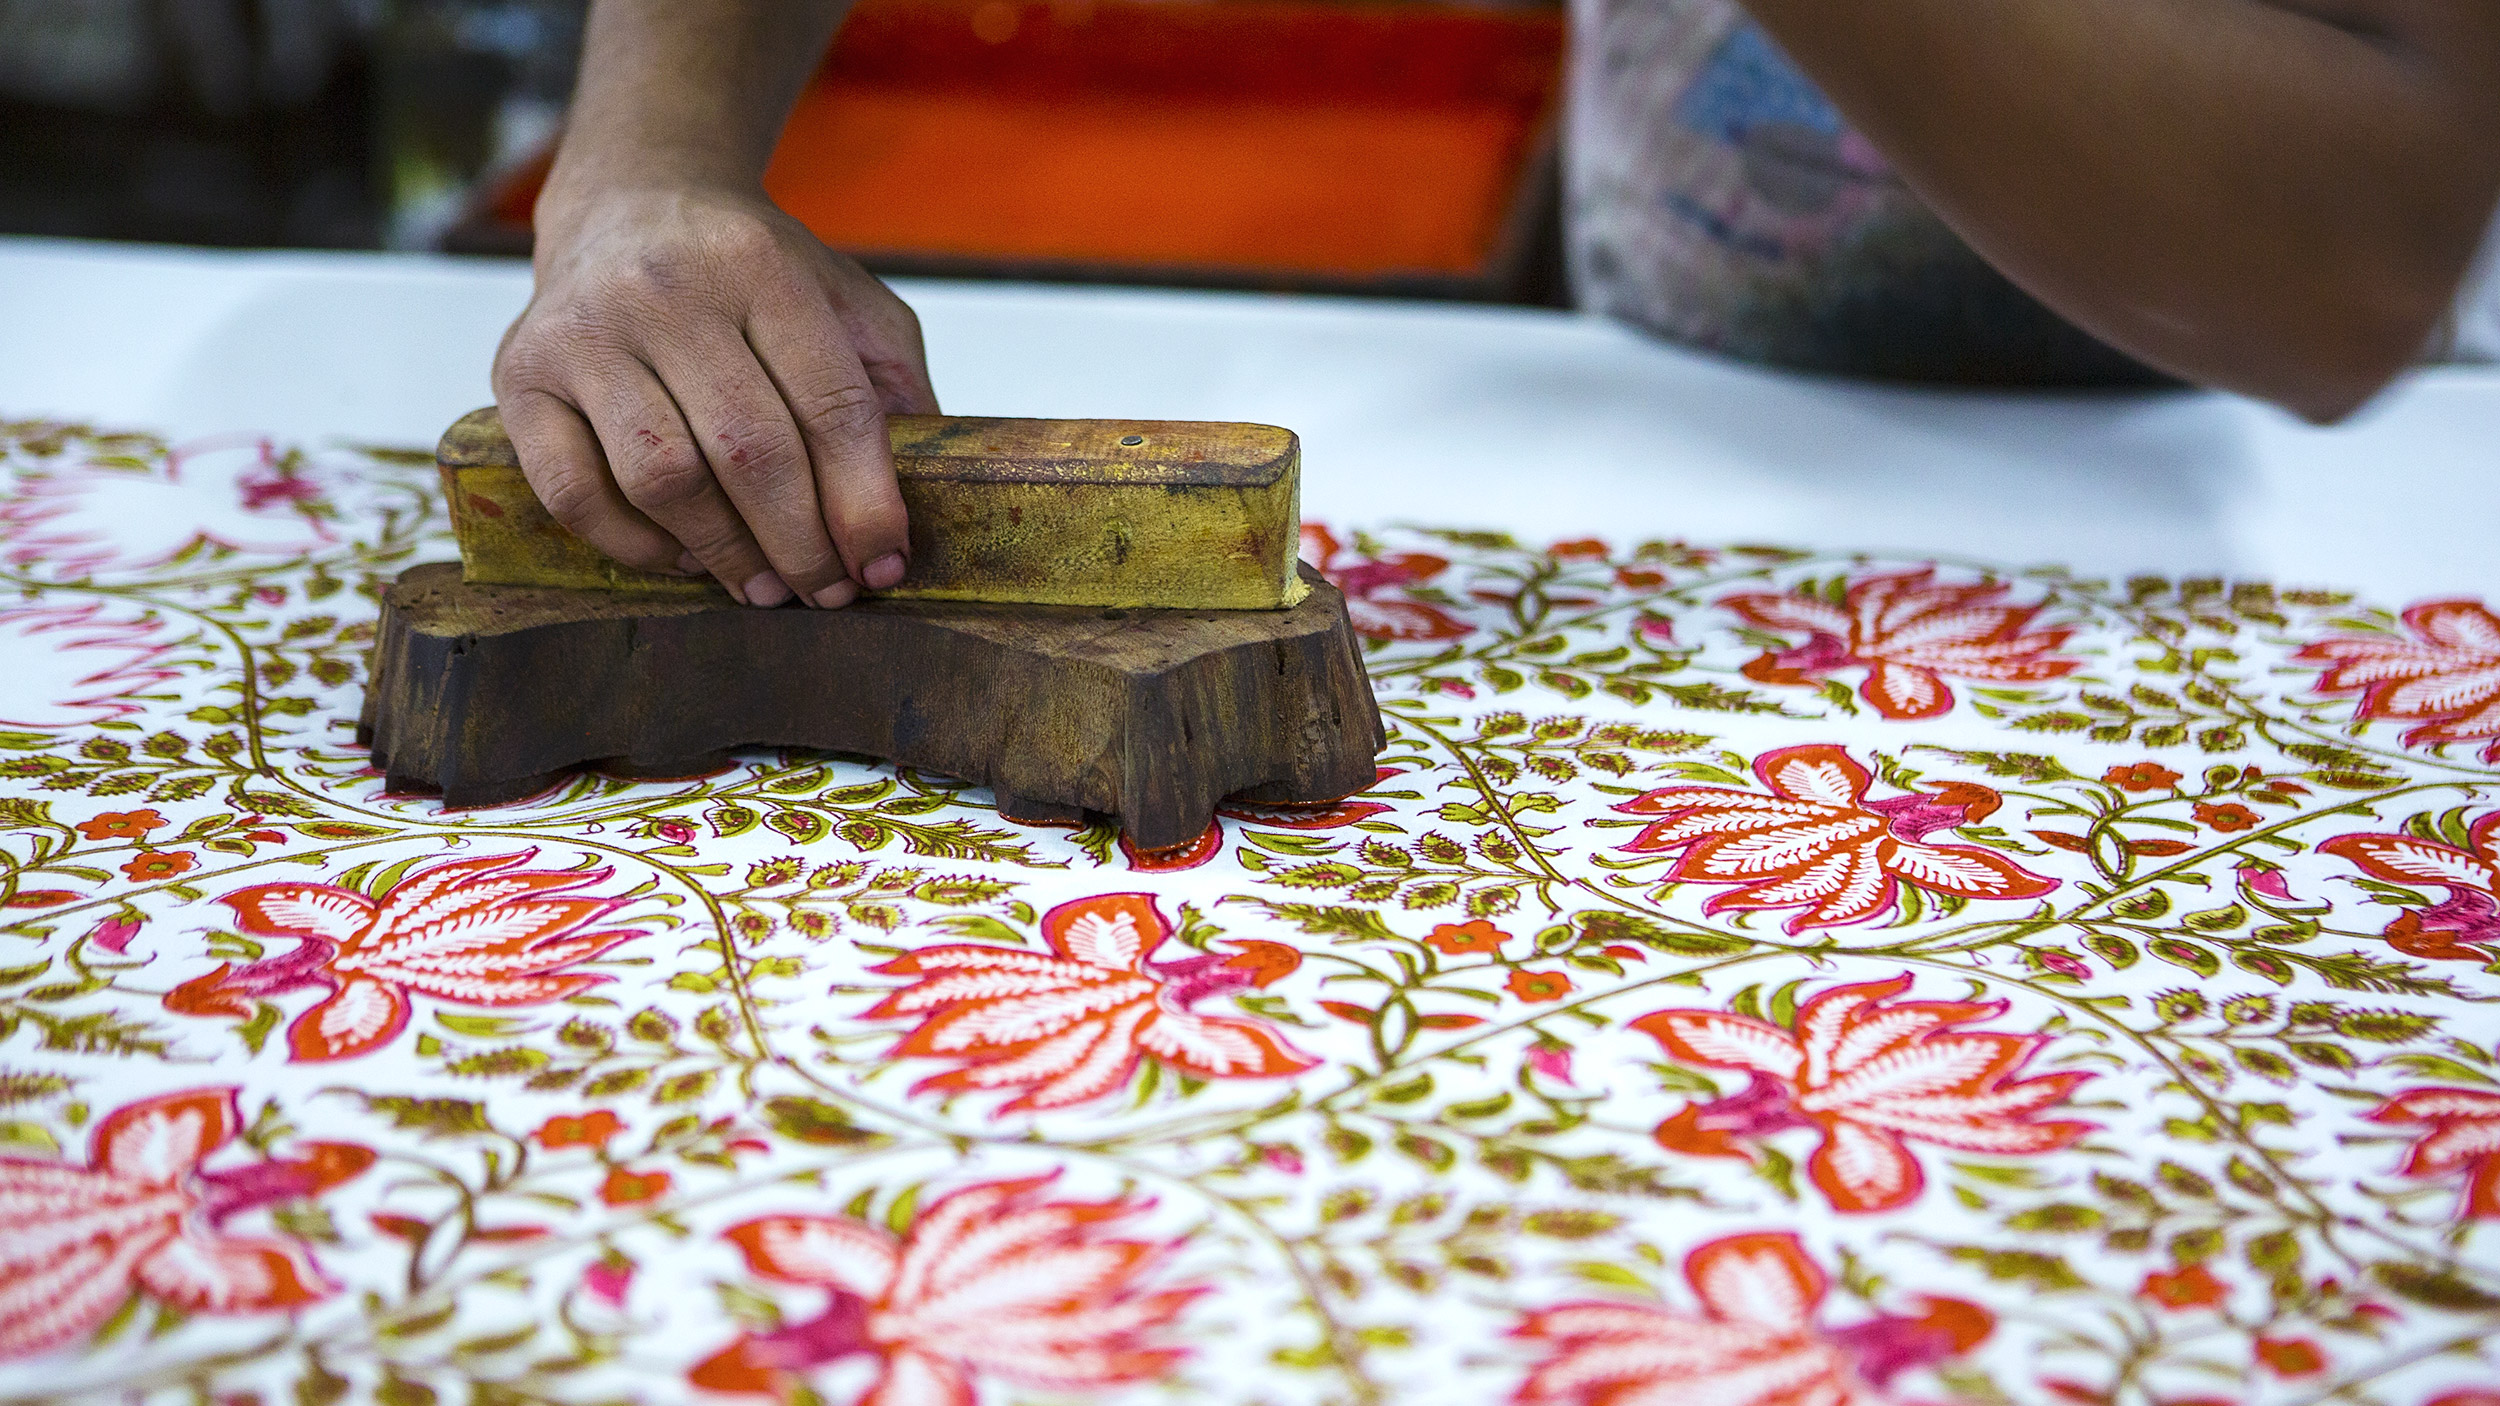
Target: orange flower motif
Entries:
(1756, 1341)
(2446, 678)
(1073, 1024)
(146, 1216)
(2141, 776)
(991, 1281)
(121, 825)
(1579, 547)
(2192, 1287)
(1818, 844)
(1539, 986)
(481, 932)
(159, 864)
(591, 1129)
(2458, 927)
(1907, 632)
(2464, 1137)
(1872, 1074)
(1467, 938)
(624, 1188)
(2291, 1357)
(2226, 818)
(1640, 578)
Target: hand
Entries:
(699, 385)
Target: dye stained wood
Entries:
(1121, 513)
(488, 693)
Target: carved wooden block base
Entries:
(486, 694)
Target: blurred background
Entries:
(1397, 147)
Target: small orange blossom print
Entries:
(1539, 986)
(589, 1130)
(2192, 1287)
(121, 825)
(159, 864)
(2141, 776)
(1462, 939)
(624, 1188)
(2226, 818)
(2290, 1357)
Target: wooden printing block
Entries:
(1201, 664)
(1121, 513)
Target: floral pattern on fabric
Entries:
(2099, 1018)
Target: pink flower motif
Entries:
(674, 832)
(1657, 629)
(1907, 632)
(145, 1216)
(114, 934)
(1366, 583)
(93, 518)
(2266, 881)
(1871, 1074)
(75, 666)
(1457, 687)
(475, 931)
(1551, 1062)
(2446, 678)
(991, 1281)
(1074, 1024)
(608, 1278)
(1755, 1342)
(1817, 843)
(2458, 928)
(1283, 1158)
(2464, 1137)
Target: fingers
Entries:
(562, 461)
(745, 428)
(840, 415)
(659, 470)
(886, 335)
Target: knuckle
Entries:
(755, 451)
(844, 410)
(659, 477)
(570, 497)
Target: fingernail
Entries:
(689, 565)
(835, 596)
(884, 571)
(766, 590)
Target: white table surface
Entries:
(1544, 423)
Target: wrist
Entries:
(585, 177)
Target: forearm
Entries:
(686, 91)
(2239, 193)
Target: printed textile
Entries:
(1758, 978)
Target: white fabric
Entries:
(1547, 424)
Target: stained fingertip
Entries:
(884, 572)
(835, 596)
(689, 564)
(766, 590)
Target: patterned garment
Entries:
(1757, 977)
(1715, 197)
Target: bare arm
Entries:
(2277, 197)
(698, 384)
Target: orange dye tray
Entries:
(1379, 148)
